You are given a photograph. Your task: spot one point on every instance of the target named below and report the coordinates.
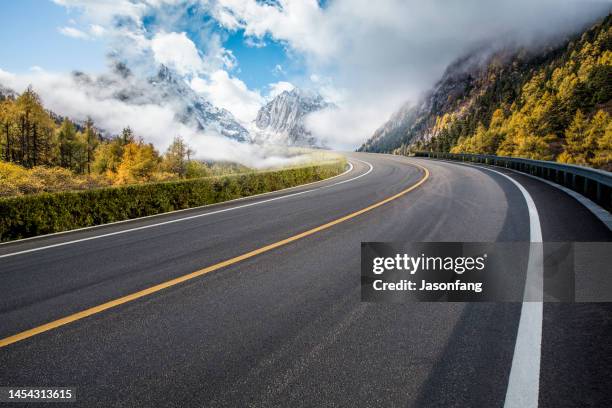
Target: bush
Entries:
(44, 213)
(16, 180)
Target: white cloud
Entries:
(254, 42)
(105, 11)
(73, 32)
(382, 53)
(230, 93)
(300, 22)
(176, 51)
(96, 30)
(153, 119)
(276, 88)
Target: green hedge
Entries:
(28, 216)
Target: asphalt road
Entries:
(286, 327)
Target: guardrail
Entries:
(591, 183)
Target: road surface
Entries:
(284, 325)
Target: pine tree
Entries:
(177, 156)
(66, 138)
(576, 144)
(7, 119)
(35, 130)
(91, 141)
(599, 136)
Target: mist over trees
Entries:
(546, 104)
(562, 112)
(41, 152)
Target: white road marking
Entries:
(189, 217)
(92, 227)
(524, 381)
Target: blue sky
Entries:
(42, 44)
(257, 66)
(29, 29)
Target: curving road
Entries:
(283, 325)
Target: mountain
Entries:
(516, 102)
(281, 121)
(165, 88)
(195, 110)
(391, 133)
(7, 93)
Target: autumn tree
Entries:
(599, 136)
(138, 163)
(576, 144)
(7, 121)
(67, 144)
(91, 142)
(177, 156)
(109, 154)
(35, 130)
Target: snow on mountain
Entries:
(281, 121)
(165, 88)
(195, 110)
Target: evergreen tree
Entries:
(575, 144)
(67, 144)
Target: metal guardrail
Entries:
(591, 183)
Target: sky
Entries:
(58, 39)
(367, 58)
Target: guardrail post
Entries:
(586, 187)
(598, 193)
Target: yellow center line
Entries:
(142, 293)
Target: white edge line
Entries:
(599, 212)
(187, 218)
(524, 380)
(91, 227)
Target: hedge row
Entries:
(28, 216)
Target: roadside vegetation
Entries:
(57, 175)
(30, 215)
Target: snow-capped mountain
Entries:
(281, 121)
(193, 109)
(165, 88)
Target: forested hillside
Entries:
(41, 151)
(550, 104)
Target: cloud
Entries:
(96, 30)
(296, 22)
(73, 32)
(152, 116)
(105, 11)
(230, 93)
(383, 53)
(276, 88)
(254, 42)
(176, 51)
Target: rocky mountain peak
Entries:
(281, 121)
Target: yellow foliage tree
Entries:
(575, 145)
(138, 164)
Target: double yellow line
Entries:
(145, 292)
